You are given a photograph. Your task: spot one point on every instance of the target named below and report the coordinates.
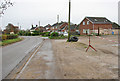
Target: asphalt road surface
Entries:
(14, 53)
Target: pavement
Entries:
(42, 65)
(14, 53)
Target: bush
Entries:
(12, 36)
(45, 34)
(59, 37)
(54, 34)
(4, 37)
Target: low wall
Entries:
(108, 31)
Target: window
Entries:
(95, 19)
(84, 23)
(86, 31)
(87, 22)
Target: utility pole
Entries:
(69, 21)
(57, 21)
(39, 23)
(39, 27)
(18, 24)
(20, 27)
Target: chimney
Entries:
(36, 25)
(32, 25)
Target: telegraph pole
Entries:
(39, 27)
(57, 21)
(69, 21)
(18, 24)
(58, 18)
(39, 23)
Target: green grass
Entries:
(59, 37)
(6, 42)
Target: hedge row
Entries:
(6, 37)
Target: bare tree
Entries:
(4, 5)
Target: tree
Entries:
(4, 5)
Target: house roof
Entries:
(32, 28)
(57, 24)
(72, 27)
(99, 20)
(47, 25)
(115, 26)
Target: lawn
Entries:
(6, 42)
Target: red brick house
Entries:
(37, 28)
(91, 24)
(48, 28)
(62, 27)
(11, 29)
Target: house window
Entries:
(86, 31)
(87, 22)
(84, 23)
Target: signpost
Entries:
(90, 46)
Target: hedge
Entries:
(54, 34)
(11, 36)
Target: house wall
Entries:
(81, 26)
(104, 26)
(92, 27)
(108, 31)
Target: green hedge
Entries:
(59, 37)
(45, 34)
(11, 36)
(10, 41)
(54, 34)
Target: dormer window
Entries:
(95, 19)
(84, 23)
(87, 22)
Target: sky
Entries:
(28, 12)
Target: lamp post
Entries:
(69, 21)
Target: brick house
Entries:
(62, 27)
(11, 29)
(91, 24)
(48, 28)
(37, 28)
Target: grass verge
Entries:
(59, 37)
(6, 42)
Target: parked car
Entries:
(65, 34)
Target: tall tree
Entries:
(4, 5)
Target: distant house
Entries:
(91, 24)
(11, 29)
(56, 27)
(48, 28)
(33, 28)
(37, 28)
(62, 28)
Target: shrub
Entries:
(54, 34)
(45, 34)
(4, 37)
(12, 36)
(59, 37)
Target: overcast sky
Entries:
(27, 12)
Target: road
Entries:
(14, 53)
